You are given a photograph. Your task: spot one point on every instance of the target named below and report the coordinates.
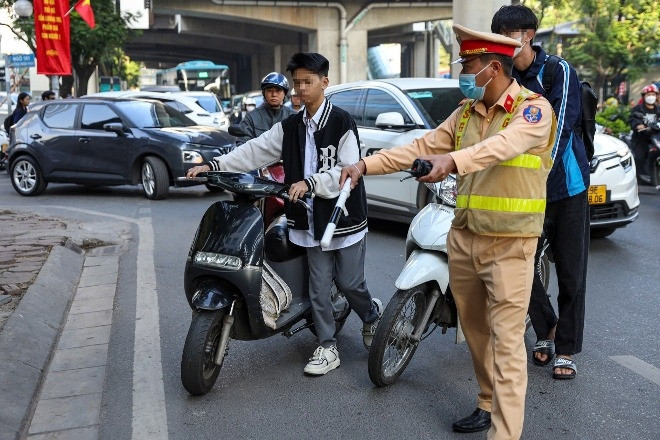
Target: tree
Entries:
(618, 37)
(88, 46)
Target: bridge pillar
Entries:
(474, 14)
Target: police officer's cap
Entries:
(478, 43)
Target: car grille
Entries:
(609, 211)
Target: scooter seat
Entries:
(278, 246)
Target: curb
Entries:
(30, 335)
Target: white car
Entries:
(613, 194)
(209, 102)
(393, 112)
(186, 105)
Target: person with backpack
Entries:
(20, 111)
(567, 209)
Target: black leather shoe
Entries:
(475, 422)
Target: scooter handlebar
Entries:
(201, 177)
(336, 213)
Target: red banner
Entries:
(52, 37)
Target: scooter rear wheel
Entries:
(198, 369)
(392, 347)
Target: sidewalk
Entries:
(41, 262)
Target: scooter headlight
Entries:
(218, 261)
(445, 190)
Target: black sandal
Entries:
(543, 346)
(561, 362)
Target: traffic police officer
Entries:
(499, 142)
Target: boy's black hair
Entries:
(512, 17)
(312, 61)
(47, 94)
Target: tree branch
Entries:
(24, 39)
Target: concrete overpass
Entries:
(255, 37)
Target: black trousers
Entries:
(567, 224)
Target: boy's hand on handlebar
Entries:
(443, 165)
(354, 171)
(194, 171)
(297, 191)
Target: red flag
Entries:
(51, 26)
(84, 8)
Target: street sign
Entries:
(21, 60)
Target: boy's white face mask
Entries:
(650, 99)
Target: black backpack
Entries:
(9, 121)
(587, 128)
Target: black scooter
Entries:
(242, 280)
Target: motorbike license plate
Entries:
(597, 194)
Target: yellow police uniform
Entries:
(502, 155)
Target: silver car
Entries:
(392, 112)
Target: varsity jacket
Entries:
(570, 173)
(337, 146)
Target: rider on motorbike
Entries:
(274, 87)
(642, 117)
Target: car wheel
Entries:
(26, 177)
(601, 232)
(155, 179)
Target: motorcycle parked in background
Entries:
(648, 169)
(423, 300)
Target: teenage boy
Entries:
(314, 145)
(567, 209)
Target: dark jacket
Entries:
(260, 120)
(337, 145)
(640, 114)
(18, 113)
(570, 172)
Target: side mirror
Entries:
(392, 120)
(115, 127)
(236, 130)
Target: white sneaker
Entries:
(322, 361)
(369, 330)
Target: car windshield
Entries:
(208, 103)
(435, 105)
(258, 99)
(151, 114)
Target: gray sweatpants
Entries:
(348, 265)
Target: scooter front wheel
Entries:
(393, 346)
(198, 368)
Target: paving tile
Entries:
(97, 280)
(93, 292)
(101, 260)
(66, 413)
(80, 357)
(87, 433)
(69, 383)
(91, 319)
(83, 337)
(91, 305)
(96, 270)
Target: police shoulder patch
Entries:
(532, 114)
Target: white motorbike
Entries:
(423, 300)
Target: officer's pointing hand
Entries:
(443, 165)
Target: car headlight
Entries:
(445, 190)
(218, 261)
(626, 158)
(191, 157)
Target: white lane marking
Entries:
(640, 367)
(149, 412)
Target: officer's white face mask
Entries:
(650, 99)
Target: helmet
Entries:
(275, 79)
(250, 101)
(651, 88)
